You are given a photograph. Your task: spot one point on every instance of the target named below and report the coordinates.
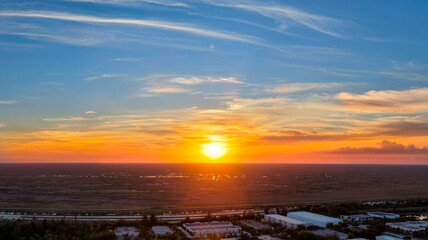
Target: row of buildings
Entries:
(294, 219)
(409, 226)
(219, 228)
(369, 216)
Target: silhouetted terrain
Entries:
(138, 186)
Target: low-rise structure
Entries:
(284, 221)
(201, 229)
(256, 225)
(356, 218)
(409, 226)
(328, 232)
(131, 232)
(313, 218)
(267, 237)
(383, 215)
(387, 237)
(161, 230)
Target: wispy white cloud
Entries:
(66, 119)
(2, 124)
(409, 66)
(198, 80)
(300, 87)
(322, 50)
(90, 112)
(166, 89)
(174, 83)
(7, 102)
(410, 76)
(406, 101)
(165, 25)
(136, 2)
(104, 76)
(66, 39)
(251, 104)
(285, 14)
(124, 59)
(336, 73)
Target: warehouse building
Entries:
(284, 221)
(161, 230)
(313, 218)
(328, 232)
(129, 232)
(409, 226)
(202, 229)
(387, 237)
(383, 215)
(356, 218)
(256, 225)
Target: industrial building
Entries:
(356, 218)
(383, 215)
(328, 232)
(284, 221)
(313, 218)
(161, 230)
(202, 229)
(256, 225)
(409, 226)
(387, 237)
(131, 232)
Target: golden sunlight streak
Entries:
(214, 149)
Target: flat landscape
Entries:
(140, 186)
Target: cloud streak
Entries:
(7, 102)
(285, 14)
(385, 147)
(104, 76)
(170, 26)
(300, 87)
(406, 101)
(135, 2)
(199, 80)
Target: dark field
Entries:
(139, 186)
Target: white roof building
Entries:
(409, 226)
(383, 215)
(387, 237)
(284, 221)
(199, 229)
(162, 230)
(121, 232)
(313, 218)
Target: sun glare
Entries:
(214, 149)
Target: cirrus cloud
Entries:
(7, 102)
(392, 101)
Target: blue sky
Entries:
(67, 66)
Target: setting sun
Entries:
(214, 149)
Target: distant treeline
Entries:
(55, 230)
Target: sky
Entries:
(269, 81)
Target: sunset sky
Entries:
(269, 81)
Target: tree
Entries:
(306, 235)
(153, 219)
